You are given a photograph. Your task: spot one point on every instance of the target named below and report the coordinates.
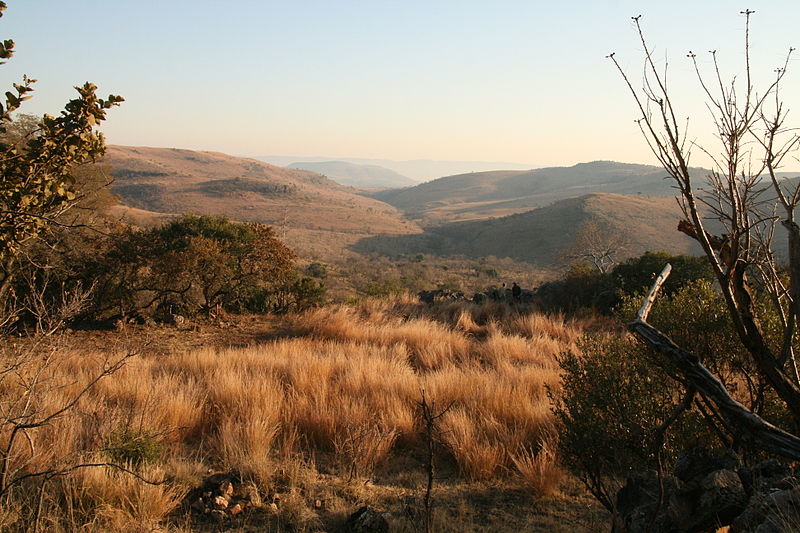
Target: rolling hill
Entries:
(543, 236)
(315, 216)
(354, 175)
(529, 216)
(481, 195)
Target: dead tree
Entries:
(599, 245)
(746, 195)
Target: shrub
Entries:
(317, 270)
(384, 289)
(128, 445)
(606, 413)
(583, 286)
(616, 394)
(195, 264)
(636, 274)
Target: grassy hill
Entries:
(543, 236)
(354, 175)
(315, 215)
(526, 216)
(500, 193)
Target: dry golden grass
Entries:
(540, 471)
(341, 397)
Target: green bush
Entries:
(637, 274)
(384, 289)
(582, 287)
(308, 292)
(130, 446)
(585, 287)
(193, 265)
(317, 270)
(611, 402)
(617, 392)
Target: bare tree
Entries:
(746, 195)
(597, 244)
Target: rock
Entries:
(722, 498)
(235, 509)
(697, 504)
(250, 494)
(199, 505)
(766, 475)
(317, 504)
(225, 488)
(440, 295)
(637, 501)
(367, 520)
(220, 502)
(698, 462)
(705, 493)
(218, 515)
(778, 512)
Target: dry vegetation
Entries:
(325, 414)
(154, 182)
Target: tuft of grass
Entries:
(540, 471)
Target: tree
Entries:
(38, 184)
(599, 245)
(194, 264)
(745, 193)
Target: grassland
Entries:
(317, 411)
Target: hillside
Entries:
(542, 236)
(499, 193)
(315, 216)
(354, 175)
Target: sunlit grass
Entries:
(343, 393)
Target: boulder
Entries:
(367, 520)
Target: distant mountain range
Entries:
(355, 175)
(418, 170)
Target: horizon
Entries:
(455, 81)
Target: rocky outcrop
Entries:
(440, 295)
(705, 492)
(222, 497)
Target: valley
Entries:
(528, 217)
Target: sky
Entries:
(517, 81)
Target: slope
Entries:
(316, 216)
(543, 236)
(500, 193)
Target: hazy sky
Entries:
(522, 81)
